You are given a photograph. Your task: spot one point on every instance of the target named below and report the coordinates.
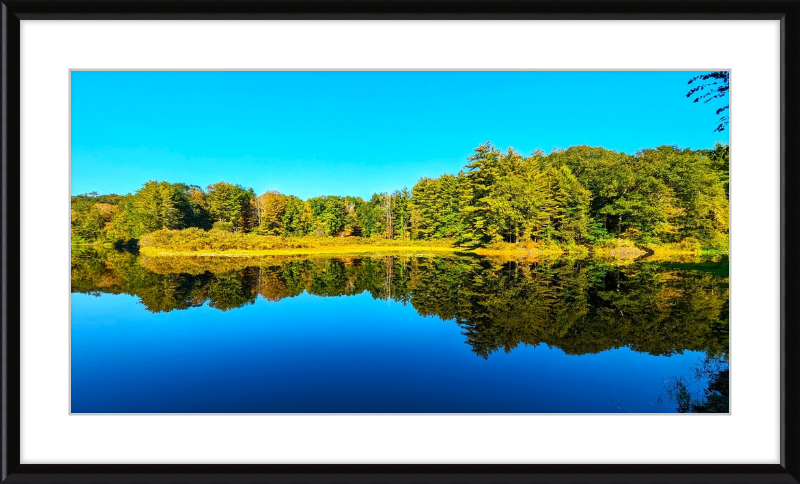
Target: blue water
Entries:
(335, 354)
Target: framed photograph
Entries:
(399, 242)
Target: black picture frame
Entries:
(788, 11)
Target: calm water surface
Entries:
(390, 334)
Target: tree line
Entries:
(578, 195)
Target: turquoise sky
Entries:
(355, 133)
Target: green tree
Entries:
(158, 205)
(422, 207)
(698, 183)
(333, 216)
(352, 223)
(371, 217)
(232, 203)
(91, 215)
(475, 194)
(198, 215)
(570, 207)
(292, 218)
(401, 214)
(516, 202)
(270, 209)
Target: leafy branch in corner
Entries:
(712, 86)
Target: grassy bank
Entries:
(95, 244)
(332, 250)
(218, 243)
(199, 243)
(625, 248)
(362, 249)
(532, 250)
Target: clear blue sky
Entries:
(355, 133)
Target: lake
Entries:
(455, 334)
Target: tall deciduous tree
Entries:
(230, 203)
(269, 210)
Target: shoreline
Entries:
(412, 250)
(331, 250)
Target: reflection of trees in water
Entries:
(582, 307)
(712, 376)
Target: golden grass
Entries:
(519, 252)
(334, 250)
(619, 252)
(504, 251)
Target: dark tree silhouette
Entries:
(711, 86)
(715, 398)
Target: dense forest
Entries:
(581, 195)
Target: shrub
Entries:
(196, 240)
(225, 226)
(689, 244)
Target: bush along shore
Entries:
(215, 242)
(658, 202)
(195, 242)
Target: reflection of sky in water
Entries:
(335, 354)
